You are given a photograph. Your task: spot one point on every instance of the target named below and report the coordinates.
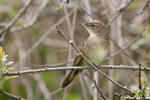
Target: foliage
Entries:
(145, 91)
(5, 65)
(122, 98)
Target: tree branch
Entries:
(10, 95)
(144, 7)
(140, 84)
(46, 69)
(99, 90)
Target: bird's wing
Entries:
(78, 59)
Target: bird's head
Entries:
(95, 27)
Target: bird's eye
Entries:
(92, 25)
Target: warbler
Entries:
(95, 49)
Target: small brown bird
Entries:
(95, 49)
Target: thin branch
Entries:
(140, 84)
(120, 10)
(56, 91)
(99, 90)
(144, 7)
(10, 95)
(51, 65)
(115, 67)
(16, 18)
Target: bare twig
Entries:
(51, 65)
(99, 90)
(102, 73)
(120, 10)
(56, 91)
(10, 95)
(140, 84)
(119, 67)
(16, 18)
(144, 7)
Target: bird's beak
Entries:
(82, 24)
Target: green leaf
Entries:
(137, 94)
(122, 98)
(58, 9)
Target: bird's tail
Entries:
(70, 77)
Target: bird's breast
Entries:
(96, 53)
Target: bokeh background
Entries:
(32, 42)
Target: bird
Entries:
(95, 49)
